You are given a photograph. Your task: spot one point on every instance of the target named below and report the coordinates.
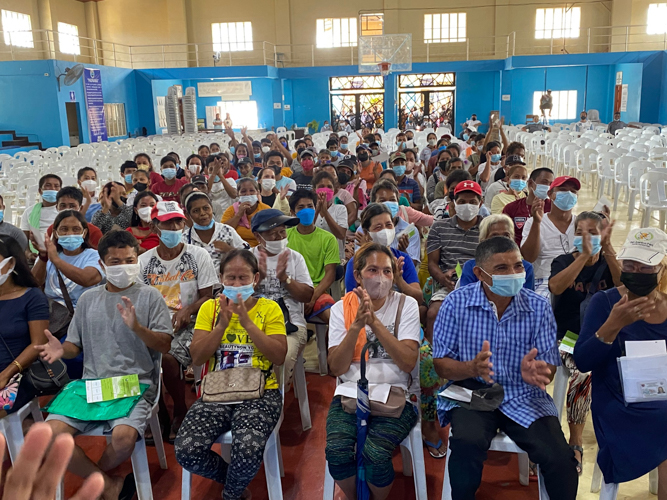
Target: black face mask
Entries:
(640, 284)
(299, 150)
(343, 179)
(443, 165)
(116, 205)
(140, 186)
(362, 157)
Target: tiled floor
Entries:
(303, 452)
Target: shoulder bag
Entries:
(60, 316)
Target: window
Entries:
(242, 113)
(17, 29)
(564, 104)
(114, 117)
(557, 23)
(372, 24)
(336, 32)
(657, 19)
(68, 38)
(232, 37)
(444, 28)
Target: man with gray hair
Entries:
(495, 337)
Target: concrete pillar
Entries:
(95, 51)
(283, 28)
(46, 40)
(621, 16)
(193, 53)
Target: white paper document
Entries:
(457, 393)
(644, 378)
(376, 392)
(637, 348)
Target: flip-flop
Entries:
(580, 464)
(129, 488)
(437, 446)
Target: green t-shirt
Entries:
(319, 248)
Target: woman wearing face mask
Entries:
(221, 186)
(169, 186)
(141, 221)
(438, 173)
(216, 238)
(115, 212)
(145, 163)
(240, 152)
(372, 313)
(367, 169)
(629, 437)
(24, 313)
(493, 162)
(330, 216)
(140, 183)
(240, 332)
(272, 196)
(239, 215)
(194, 165)
(432, 141)
(515, 188)
(575, 277)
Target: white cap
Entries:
(646, 245)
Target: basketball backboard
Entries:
(376, 51)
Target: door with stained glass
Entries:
(426, 100)
(359, 99)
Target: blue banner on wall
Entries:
(92, 86)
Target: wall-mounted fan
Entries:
(71, 75)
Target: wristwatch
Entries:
(288, 281)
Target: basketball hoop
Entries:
(384, 67)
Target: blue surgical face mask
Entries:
(401, 143)
(306, 216)
(203, 228)
(171, 239)
(367, 144)
(231, 292)
(258, 156)
(565, 200)
(343, 146)
(596, 243)
(49, 196)
(216, 179)
(71, 242)
(518, 184)
(232, 149)
(398, 170)
(169, 173)
(128, 178)
(334, 154)
(496, 158)
(178, 165)
(541, 191)
(506, 285)
(2, 215)
(393, 207)
(466, 137)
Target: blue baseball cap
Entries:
(265, 220)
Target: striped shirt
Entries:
(456, 245)
(467, 318)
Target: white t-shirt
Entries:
(180, 279)
(552, 244)
(46, 218)
(219, 194)
(222, 232)
(271, 287)
(491, 191)
(339, 214)
(380, 369)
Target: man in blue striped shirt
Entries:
(497, 331)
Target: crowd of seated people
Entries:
(448, 260)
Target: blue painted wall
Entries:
(632, 76)
(651, 88)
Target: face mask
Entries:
(306, 216)
(363, 157)
(171, 239)
(496, 158)
(327, 191)
(343, 146)
(144, 213)
(518, 184)
(393, 207)
(140, 186)
(343, 179)
(232, 149)
(49, 196)
(400, 144)
(203, 228)
(334, 154)
(265, 149)
(384, 237)
(466, 137)
(595, 243)
(122, 275)
(366, 144)
(375, 152)
(379, 141)
(307, 164)
(565, 200)
(283, 143)
(248, 198)
(240, 155)
(399, 170)
(128, 179)
(169, 173)
(299, 150)
(275, 247)
(268, 184)
(2, 215)
(432, 142)
(377, 286)
(194, 168)
(541, 191)
(71, 242)
(245, 291)
(143, 167)
(258, 156)
(507, 285)
(91, 185)
(467, 212)
(640, 284)
(5, 275)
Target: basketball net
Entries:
(384, 67)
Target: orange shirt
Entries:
(370, 172)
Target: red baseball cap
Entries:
(167, 210)
(559, 181)
(468, 186)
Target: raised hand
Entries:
(481, 365)
(403, 242)
(241, 310)
(105, 201)
(537, 210)
(364, 316)
(52, 351)
(586, 245)
(535, 372)
(284, 191)
(399, 265)
(127, 312)
(221, 246)
(51, 249)
(362, 238)
(261, 263)
(224, 314)
(243, 131)
(626, 311)
(605, 237)
(281, 268)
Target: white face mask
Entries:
(467, 212)
(122, 275)
(89, 185)
(144, 213)
(275, 247)
(266, 149)
(4, 276)
(432, 142)
(268, 184)
(249, 198)
(384, 237)
(194, 168)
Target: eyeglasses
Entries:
(69, 232)
(631, 266)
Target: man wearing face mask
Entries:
(452, 242)
(510, 188)
(169, 186)
(584, 123)
(616, 125)
(472, 349)
(184, 275)
(38, 217)
(299, 146)
(122, 328)
(406, 186)
(538, 188)
(283, 278)
(304, 179)
(547, 236)
(274, 160)
(332, 146)
(126, 171)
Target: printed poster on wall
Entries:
(92, 86)
(624, 98)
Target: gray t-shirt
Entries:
(109, 347)
(7, 229)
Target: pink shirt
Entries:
(419, 219)
(362, 193)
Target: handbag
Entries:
(395, 404)
(60, 316)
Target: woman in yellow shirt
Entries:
(240, 214)
(235, 330)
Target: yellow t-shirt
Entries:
(502, 199)
(236, 347)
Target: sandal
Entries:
(532, 473)
(189, 374)
(438, 455)
(129, 488)
(580, 465)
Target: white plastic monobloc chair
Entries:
(652, 195)
(606, 170)
(12, 427)
(635, 170)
